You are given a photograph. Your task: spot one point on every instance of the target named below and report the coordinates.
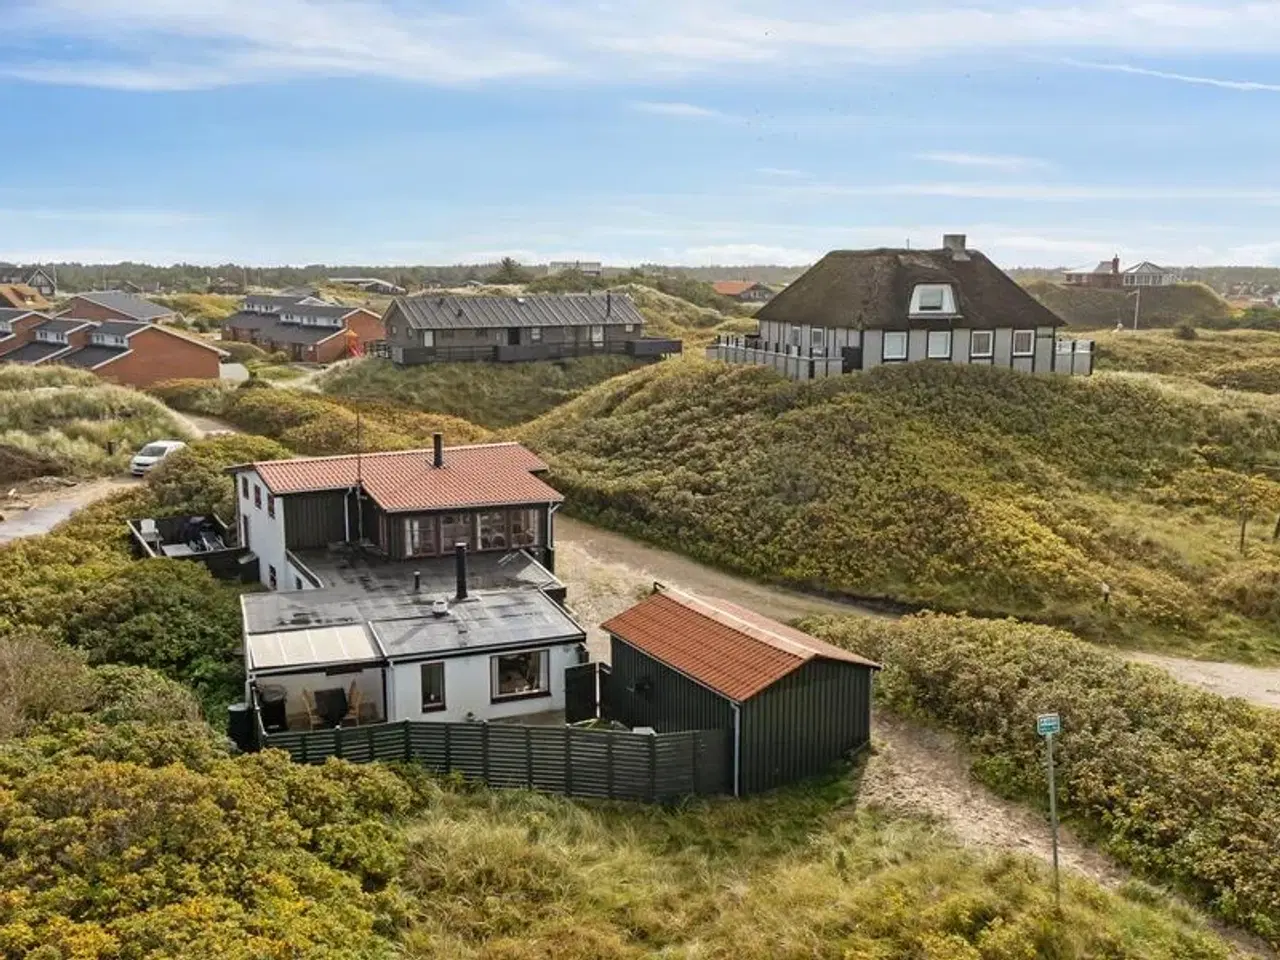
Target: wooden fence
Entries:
(613, 764)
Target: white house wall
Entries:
(467, 689)
(266, 534)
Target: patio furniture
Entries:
(272, 706)
(355, 700)
(331, 706)
(313, 717)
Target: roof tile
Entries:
(474, 476)
(730, 649)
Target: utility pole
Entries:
(1137, 307)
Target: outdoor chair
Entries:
(309, 701)
(355, 700)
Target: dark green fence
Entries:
(612, 764)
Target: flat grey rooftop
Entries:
(363, 587)
(483, 621)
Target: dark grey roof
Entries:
(359, 588)
(91, 356)
(63, 324)
(309, 310)
(276, 299)
(32, 352)
(121, 328)
(508, 618)
(434, 312)
(126, 303)
(8, 314)
(871, 289)
(271, 327)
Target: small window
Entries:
(895, 345)
(271, 577)
(597, 334)
(817, 340)
(628, 327)
(931, 298)
(520, 675)
(271, 505)
(1024, 343)
(392, 330)
(535, 334)
(428, 338)
(981, 343)
(794, 336)
(432, 687)
(244, 487)
(939, 347)
(297, 583)
(257, 496)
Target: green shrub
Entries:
(243, 352)
(208, 397)
(1182, 785)
(1185, 331)
(1261, 375)
(194, 480)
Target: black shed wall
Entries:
(803, 723)
(314, 520)
(673, 701)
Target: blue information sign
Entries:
(1047, 724)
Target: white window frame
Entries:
(428, 338)
(931, 292)
(544, 676)
(895, 357)
(421, 536)
(628, 328)
(597, 334)
(1031, 350)
(818, 341)
(929, 349)
(989, 352)
(422, 687)
(535, 334)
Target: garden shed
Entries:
(791, 704)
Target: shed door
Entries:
(580, 698)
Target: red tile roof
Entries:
(732, 288)
(733, 650)
(482, 475)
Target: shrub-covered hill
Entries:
(957, 488)
(57, 420)
(1192, 303)
(1165, 352)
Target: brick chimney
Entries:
(1115, 265)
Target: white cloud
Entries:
(986, 161)
(730, 254)
(784, 172)
(1037, 192)
(1244, 85)
(18, 218)
(192, 44)
(676, 109)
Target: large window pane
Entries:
(524, 528)
(520, 674)
(939, 347)
(493, 530)
(895, 345)
(455, 528)
(420, 537)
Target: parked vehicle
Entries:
(144, 460)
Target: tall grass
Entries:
(70, 418)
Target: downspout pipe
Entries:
(737, 748)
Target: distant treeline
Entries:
(231, 277)
(1225, 280)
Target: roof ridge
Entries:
(748, 628)
(382, 453)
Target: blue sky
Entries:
(676, 131)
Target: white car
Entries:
(144, 460)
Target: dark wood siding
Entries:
(803, 723)
(672, 701)
(314, 520)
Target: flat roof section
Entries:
(360, 587)
(485, 621)
(311, 648)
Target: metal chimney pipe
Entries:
(437, 442)
(417, 580)
(460, 558)
(608, 303)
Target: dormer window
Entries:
(109, 340)
(51, 336)
(933, 299)
(5, 328)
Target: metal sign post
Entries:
(1047, 725)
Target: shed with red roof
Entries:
(793, 705)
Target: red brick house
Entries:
(305, 328)
(744, 291)
(127, 352)
(105, 305)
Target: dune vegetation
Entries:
(955, 488)
(312, 424)
(1167, 352)
(61, 421)
(1177, 783)
(1192, 303)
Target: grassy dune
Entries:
(64, 420)
(950, 487)
(1192, 303)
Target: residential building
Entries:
(39, 279)
(859, 309)
(305, 328)
(1147, 274)
(133, 353)
(431, 328)
(371, 285)
(791, 704)
(1106, 275)
(418, 583)
(588, 268)
(19, 296)
(106, 305)
(744, 291)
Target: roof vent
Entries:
(459, 313)
(521, 301)
(955, 243)
(440, 608)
